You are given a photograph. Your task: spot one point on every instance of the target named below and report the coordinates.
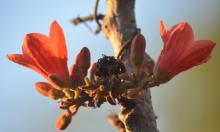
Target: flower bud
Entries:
(76, 76)
(138, 46)
(48, 90)
(55, 94)
(57, 82)
(63, 121)
(83, 60)
(93, 71)
(43, 88)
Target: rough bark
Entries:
(119, 26)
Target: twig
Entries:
(79, 20)
(95, 17)
(95, 14)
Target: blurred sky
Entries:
(188, 103)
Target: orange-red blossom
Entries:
(47, 55)
(180, 52)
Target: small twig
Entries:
(95, 14)
(95, 17)
(79, 20)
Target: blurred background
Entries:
(188, 103)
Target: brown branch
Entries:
(119, 26)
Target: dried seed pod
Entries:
(108, 66)
(83, 60)
(138, 46)
(63, 121)
(76, 76)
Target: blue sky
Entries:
(24, 110)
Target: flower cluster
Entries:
(109, 80)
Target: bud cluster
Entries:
(108, 82)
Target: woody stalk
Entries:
(119, 26)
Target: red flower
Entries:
(180, 51)
(46, 55)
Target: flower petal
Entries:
(58, 43)
(37, 47)
(180, 38)
(199, 53)
(26, 61)
(163, 31)
(180, 51)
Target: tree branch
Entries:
(119, 26)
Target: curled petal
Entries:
(27, 62)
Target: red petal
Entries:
(27, 62)
(37, 47)
(163, 31)
(180, 38)
(58, 43)
(199, 53)
(180, 51)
